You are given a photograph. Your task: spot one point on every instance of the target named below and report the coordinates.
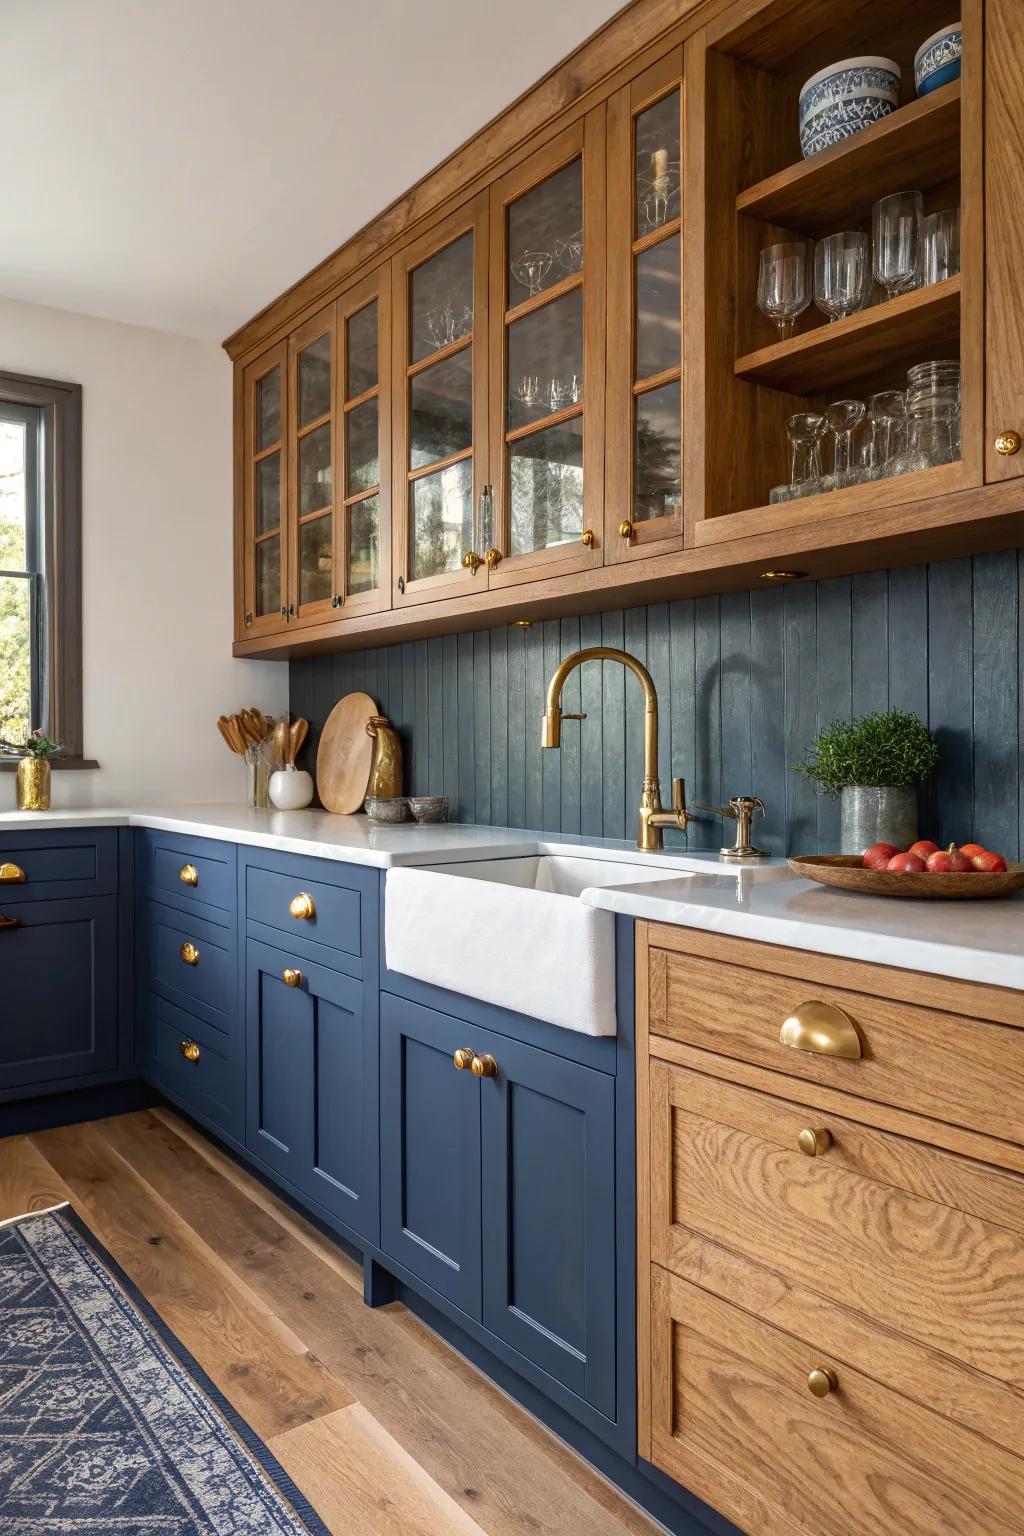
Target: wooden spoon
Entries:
(225, 728)
(297, 736)
(281, 739)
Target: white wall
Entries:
(157, 558)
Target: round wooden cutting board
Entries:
(345, 754)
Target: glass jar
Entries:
(933, 417)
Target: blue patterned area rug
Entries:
(107, 1425)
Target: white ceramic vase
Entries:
(291, 788)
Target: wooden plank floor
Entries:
(382, 1425)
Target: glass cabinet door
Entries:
(363, 530)
(312, 492)
(440, 386)
(644, 514)
(264, 500)
(547, 360)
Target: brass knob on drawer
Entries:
(291, 978)
(9, 922)
(626, 529)
(1008, 443)
(11, 874)
(822, 1381)
(463, 1058)
(484, 1066)
(302, 907)
(587, 538)
(189, 1050)
(188, 874)
(822, 1029)
(813, 1143)
(189, 953)
(471, 561)
(493, 557)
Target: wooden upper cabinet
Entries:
(439, 286)
(265, 494)
(1004, 316)
(646, 231)
(362, 543)
(312, 584)
(547, 356)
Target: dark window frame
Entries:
(60, 576)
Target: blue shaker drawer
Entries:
(190, 962)
(48, 865)
(340, 901)
(191, 873)
(194, 1063)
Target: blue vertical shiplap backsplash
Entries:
(745, 681)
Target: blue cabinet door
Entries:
(58, 1019)
(312, 1085)
(548, 1158)
(430, 1151)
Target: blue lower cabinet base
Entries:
(49, 1111)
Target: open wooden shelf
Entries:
(919, 146)
(912, 328)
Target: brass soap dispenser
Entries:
(386, 768)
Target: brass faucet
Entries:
(741, 810)
(649, 836)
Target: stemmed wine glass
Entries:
(887, 418)
(805, 431)
(783, 283)
(844, 417)
(531, 268)
(896, 241)
(841, 274)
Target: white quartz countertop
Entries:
(970, 940)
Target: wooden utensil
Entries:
(228, 727)
(296, 737)
(282, 740)
(345, 754)
(846, 871)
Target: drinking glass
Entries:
(940, 239)
(841, 274)
(805, 432)
(783, 284)
(844, 417)
(531, 268)
(896, 241)
(887, 418)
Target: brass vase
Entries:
(33, 784)
(386, 768)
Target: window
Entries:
(40, 562)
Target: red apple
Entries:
(924, 848)
(971, 849)
(959, 863)
(988, 863)
(941, 863)
(879, 856)
(906, 864)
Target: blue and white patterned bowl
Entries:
(937, 61)
(846, 97)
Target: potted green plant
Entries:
(33, 756)
(874, 765)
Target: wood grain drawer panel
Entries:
(913, 1237)
(934, 1063)
(734, 1421)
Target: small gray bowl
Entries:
(387, 811)
(429, 807)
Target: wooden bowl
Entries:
(848, 873)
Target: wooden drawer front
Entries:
(212, 1081)
(933, 1063)
(337, 921)
(187, 872)
(192, 963)
(916, 1239)
(58, 865)
(734, 1421)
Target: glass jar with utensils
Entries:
(940, 245)
(784, 283)
(896, 241)
(842, 270)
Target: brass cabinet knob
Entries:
(189, 1050)
(9, 922)
(302, 907)
(484, 1066)
(1008, 443)
(471, 561)
(493, 557)
(822, 1381)
(11, 874)
(822, 1029)
(188, 874)
(813, 1143)
(626, 529)
(189, 953)
(587, 538)
(463, 1058)
(291, 978)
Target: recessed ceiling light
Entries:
(774, 575)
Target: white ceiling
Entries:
(177, 163)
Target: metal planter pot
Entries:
(870, 815)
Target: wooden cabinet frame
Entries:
(374, 288)
(303, 614)
(256, 625)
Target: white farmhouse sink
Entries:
(514, 932)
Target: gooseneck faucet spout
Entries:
(651, 816)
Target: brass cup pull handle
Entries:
(189, 953)
(291, 978)
(189, 1050)
(188, 874)
(493, 557)
(822, 1381)
(9, 922)
(1008, 443)
(626, 529)
(587, 538)
(11, 874)
(813, 1142)
(463, 1058)
(823, 1029)
(484, 1066)
(302, 907)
